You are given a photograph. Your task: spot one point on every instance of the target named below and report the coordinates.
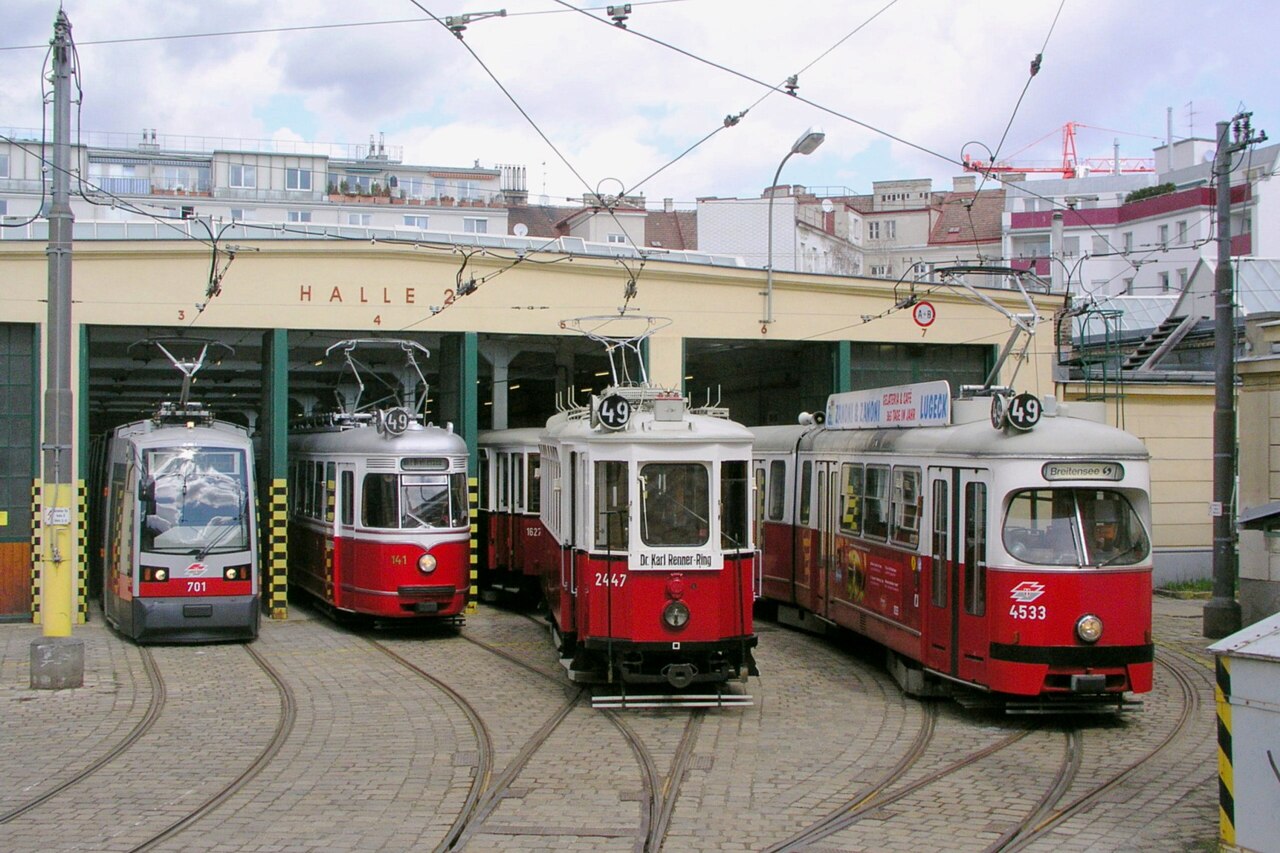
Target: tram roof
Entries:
(417, 438)
(1058, 435)
(517, 437)
(644, 427)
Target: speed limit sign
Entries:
(923, 314)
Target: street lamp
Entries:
(806, 144)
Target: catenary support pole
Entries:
(57, 661)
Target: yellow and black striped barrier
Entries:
(82, 561)
(1226, 771)
(37, 556)
(473, 513)
(278, 549)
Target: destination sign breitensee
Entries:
(922, 404)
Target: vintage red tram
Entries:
(508, 519)
(998, 542)
(379, 521)
(650, 574)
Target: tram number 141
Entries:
(1028, 611)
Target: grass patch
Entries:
(1193, 585)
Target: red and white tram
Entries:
(379, 522)
(996, 542)
(650, 576)
(510, 526)
(378, 518)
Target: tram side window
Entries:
(735, 500)
(504, 463)
(317, 491)
(777, 488)
(875, 508)
(851, 499)
(330, 482)
(761, 499)
(941, 530)
(378, 503)
(304, 486)
(806, 484)
(611, 506)
(534, 466)
(459, 509)
(517, 482)
(483, 477)
(348, 498)
(975, 548)
(906, 506)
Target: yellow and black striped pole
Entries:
(1226, 771)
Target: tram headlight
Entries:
(426, 564)
(1089, 628)
(676, 615)
(161, 574)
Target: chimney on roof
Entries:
(964, 183)
(668, 205)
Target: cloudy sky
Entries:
(902, 88)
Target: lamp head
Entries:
(808, 141)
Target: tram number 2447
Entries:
(609, 579)
(1028, 611)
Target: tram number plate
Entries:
(1028, 611)
(1024, 411)
(614, 411)
(606, 579)
(197, 586)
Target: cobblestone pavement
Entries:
(360, 747)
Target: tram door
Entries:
(828, 557)
(343, 518)
(502, 529)
(956, 634)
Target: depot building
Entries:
(499, 316)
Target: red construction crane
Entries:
(1071, 167)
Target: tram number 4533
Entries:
(1028, 611)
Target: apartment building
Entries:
(1142, 234)
(267, 183)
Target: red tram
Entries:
(1000, 543)
(379, 522)
(651, 575)
(509, 523)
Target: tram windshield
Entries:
(1074, 527)
(415, 501)
(674, 503)
(195, 501)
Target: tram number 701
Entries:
(1027, 611)
(197, 586)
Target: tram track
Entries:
(1187, 715)
(284, 727)
(144, 725)
(660, 791)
